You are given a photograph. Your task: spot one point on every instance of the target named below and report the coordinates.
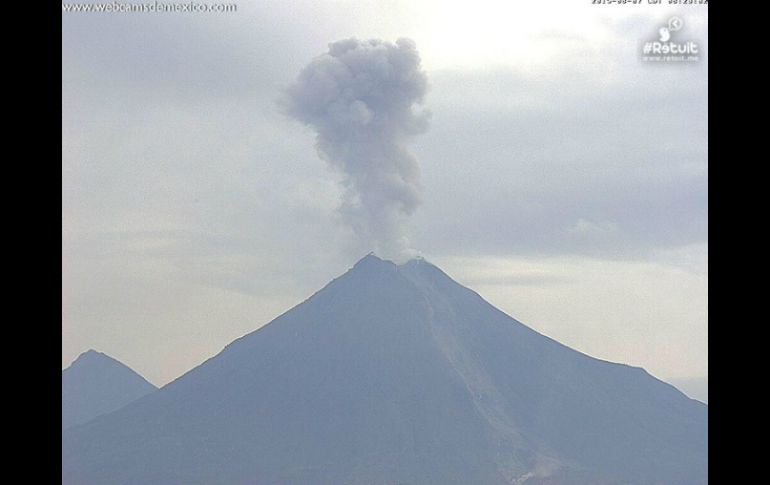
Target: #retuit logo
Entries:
(669, 46)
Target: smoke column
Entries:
(359, 98)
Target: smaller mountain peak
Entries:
(372, 260)
(370, 257)
(419, 263)
(91, 357)
(425, 271)
(89, 354)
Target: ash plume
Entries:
(360, 98)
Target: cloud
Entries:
(523, 160)
(359, 98)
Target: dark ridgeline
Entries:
(397, 375)
(97, 384)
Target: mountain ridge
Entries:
(397, 373)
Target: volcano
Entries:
(396, 374)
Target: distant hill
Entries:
(96, 384)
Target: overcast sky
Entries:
(562, 178)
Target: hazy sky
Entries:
(563, 179)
